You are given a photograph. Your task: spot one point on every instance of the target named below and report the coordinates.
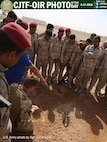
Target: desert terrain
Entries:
(87, 117)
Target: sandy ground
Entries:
(87, 117)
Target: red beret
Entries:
(33, 25)
(18, 35)
(61, 29)
(67, 29)
(24, 25)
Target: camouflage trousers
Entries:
(102, 81)
(72, 72)
(43, 65)
(83, 76)
(94, 79)
(54, 65)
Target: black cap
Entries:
(50, 26)
(97, 37)
(88, 40)
(72, 36)
(48, 32)
(93, 34)
(12, 14)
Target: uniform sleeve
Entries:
(73, 55)
(38, 45)
(62, 52)
(87, 52)
(25, 104)
(34, 44)
(51, 48)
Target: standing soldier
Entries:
(48, 27)
(92, 37)
(92, 55)
(33, 35)
(66, 53)
(67, 34)
(43, 45)
(75, 62)
(100, 73)
(55, 53)
(10, 51)
(11, 17)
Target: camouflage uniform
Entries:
(103, 73)
(91, 59)
(5, 123)
(2, 23)
(32, 50)
(55, 53)
(75, 61)
(43, 46)
(66, 53)
(21, 109)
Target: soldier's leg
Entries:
(66, 73)
(72, 73)
(79, 76)
(56, 72)
(38, 64)
(87, 76)
(101, 83)
(78, 80)
(94, 79)
(50, 67)
(61, 72)
(44, 69)
(49, 79)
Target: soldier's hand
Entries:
(34, 108)
(43, 81)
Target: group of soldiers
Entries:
(59, 57)
(15, 104)
(63, 59)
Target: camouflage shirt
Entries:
(67, 51)
(43, 47)
(55, 48)
(5, 124)
(32, 50)
(92, 56)
(21, 108)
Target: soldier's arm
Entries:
(37, 73)
(38, 45)
(51, 47)
(86, 51)
(100, 60)
(34, 44)
(73, 56)
(62, 52)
